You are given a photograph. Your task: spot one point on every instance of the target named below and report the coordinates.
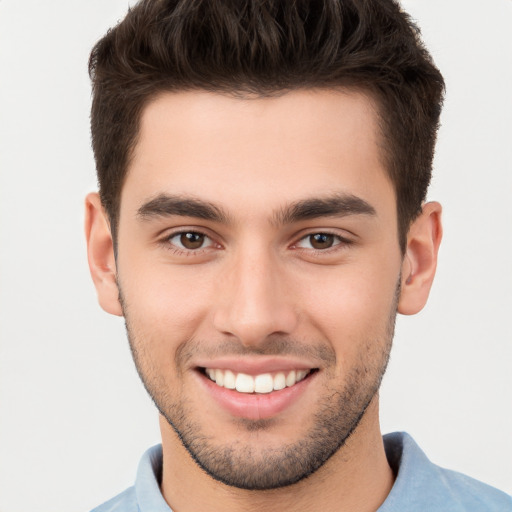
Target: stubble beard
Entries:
(244, 466)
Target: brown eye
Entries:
(191, 240)
(321, 240)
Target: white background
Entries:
(74, 418)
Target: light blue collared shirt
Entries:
(420, 486)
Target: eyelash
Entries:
(342, 243)
(166, 242)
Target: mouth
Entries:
(262, 383)
(256, 389)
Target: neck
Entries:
(356, 478)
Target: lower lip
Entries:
(255, 406)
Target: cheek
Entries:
(163, 309)
(351, 306)
(165, 301)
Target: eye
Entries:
(319, 241)
(190, 240)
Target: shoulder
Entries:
(124, 502)
(421, 485)
(145, 495)
(473, 493)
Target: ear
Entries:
(420, 260)
(100, 254)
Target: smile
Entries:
(262, 383)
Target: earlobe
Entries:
(420, 260)
(100, 255)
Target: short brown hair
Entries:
(265, 47)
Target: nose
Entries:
(254, 301)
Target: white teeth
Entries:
(244, 383)
(300, 375)
(219, 377)
(279, 381)
(290, 378)
(263, 383)
(229, 379)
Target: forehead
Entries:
(243, 151)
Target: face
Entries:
(258, 268)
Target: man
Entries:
(263, 168)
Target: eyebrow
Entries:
(166, 205)
(336, 205)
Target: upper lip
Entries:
(256, 365)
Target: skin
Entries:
(257, 290)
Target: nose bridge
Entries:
(254, 302)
